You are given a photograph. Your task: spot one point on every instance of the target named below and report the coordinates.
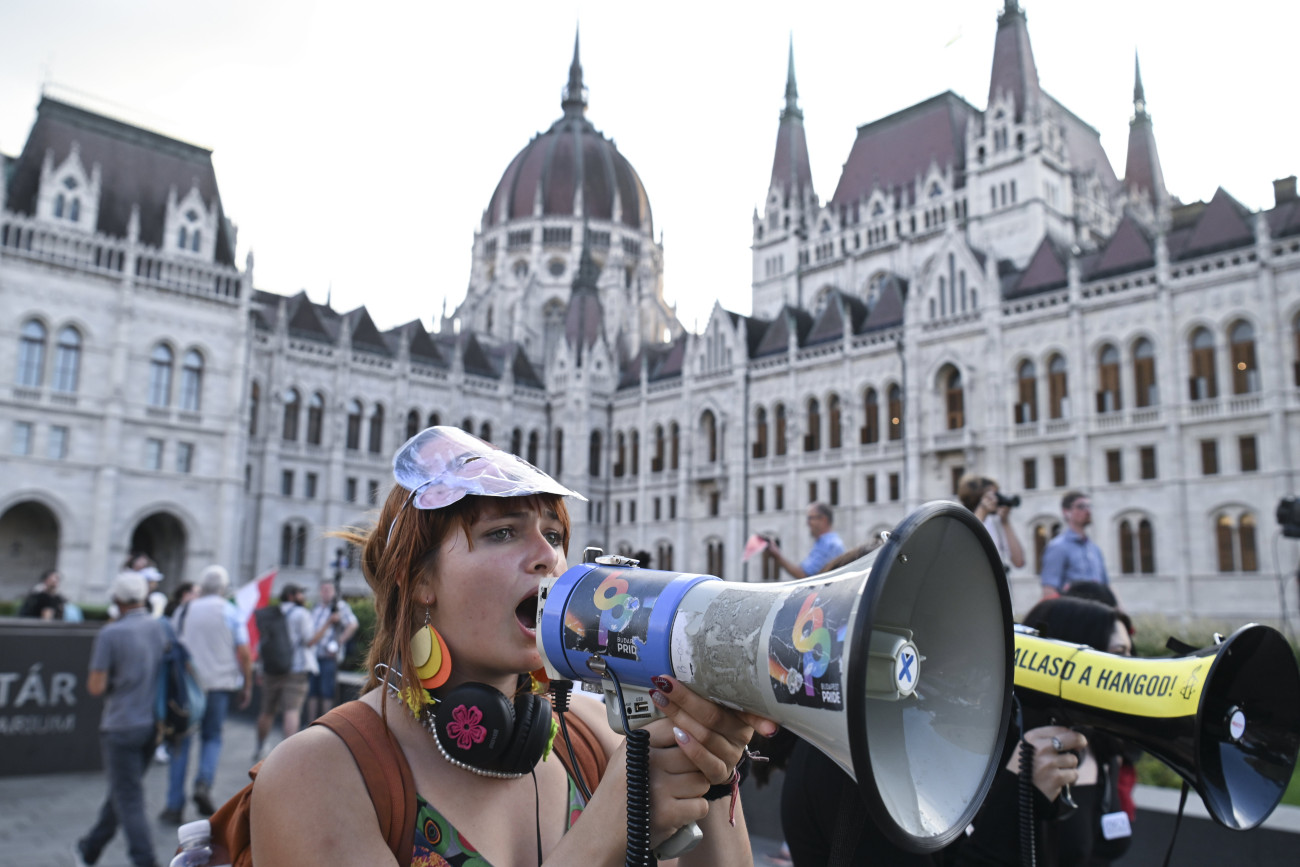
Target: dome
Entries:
(570, 156)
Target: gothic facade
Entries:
(981, 292)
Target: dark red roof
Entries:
(138, 168)
(1128, 249)
(1225, 223)
(1014, 70)
(1045, 272)
(893, 151)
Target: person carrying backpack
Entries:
(461, 545)
(286, 661)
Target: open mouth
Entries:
(526, 612)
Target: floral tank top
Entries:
(438, 844)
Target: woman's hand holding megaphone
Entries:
(1058, 752)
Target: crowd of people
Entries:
(453, 562)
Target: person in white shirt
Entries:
(333, 624)
(980, 495)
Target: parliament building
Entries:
(981, 291)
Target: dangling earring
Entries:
(430, 655)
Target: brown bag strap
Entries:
(586, 748)
(384, 769)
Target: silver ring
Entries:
(1056, 744)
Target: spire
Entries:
(585, 316)
(1014, 70)
(791, 89)
(791, 171)
(574, 102)
(1139, 95)
(1143, 177)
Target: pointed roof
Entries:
(1222, 225)
(1014, 70)
(891, 153)
(304, 321)
(791, 320)
(585, 316)
(1045, 272)
(523, 371)
(138, 168)
(1143, 176)
(829, 325)
(420, 345)
(365, 336)
(474, 360)
(887, 309)
(1129, 249)
(791, 169)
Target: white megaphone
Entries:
(897, 667)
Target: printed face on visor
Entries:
(440, 465)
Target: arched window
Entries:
(635, 459)
(657, 459)
(870, 417)
(1109, 398)
(1145, 391)
(59, 202)
(353, 440)
(833, 419)
(182, 238)
(315, 418)
(715, 557)
(620, 454)
(664, 556)
(674, 446)
(254, 405)
(1136, 547)
(593, 455)
(1026, 393)
(1295, 343)
(376, 438)
(413, 423)
(292, 406)
(31, 354)
(559, 451)
(467, 425)
(160, 375)
(709, 430)
(1235, 538)
(485, 431)
(1058, 392)
(67, 360)
(434, 420)
(517, 442)
(74, 210)
(954, 399)
(812, 438)
(293, 544)
(1245, 375)
(760, 432)
(192, 381)
(533, 442)
(780, 429)
(895, 412)
(1203, 384)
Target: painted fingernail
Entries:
(682, 737)
(769, 729)
(663, 683)
(658, 698)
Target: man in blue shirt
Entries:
(1071, 556)
(826, 548)
(124, 669)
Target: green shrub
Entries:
(364, 608)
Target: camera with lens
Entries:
(1288, 515)
(1010, 502)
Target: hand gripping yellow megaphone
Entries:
(1225, 718)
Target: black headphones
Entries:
(481, 728)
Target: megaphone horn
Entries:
(1226, 719)
(897, 667)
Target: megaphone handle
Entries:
(684, 840)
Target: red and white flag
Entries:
(252, 596)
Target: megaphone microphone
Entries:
(1226, 718)
(897, 667)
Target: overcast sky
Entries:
(356, 145)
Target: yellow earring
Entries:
(430, 655)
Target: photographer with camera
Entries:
(980, 494)
(333, 623)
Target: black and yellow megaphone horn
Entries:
(1225, 718)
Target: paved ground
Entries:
(40, 816)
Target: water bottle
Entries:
(195, 849)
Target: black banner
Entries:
(48, 722)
